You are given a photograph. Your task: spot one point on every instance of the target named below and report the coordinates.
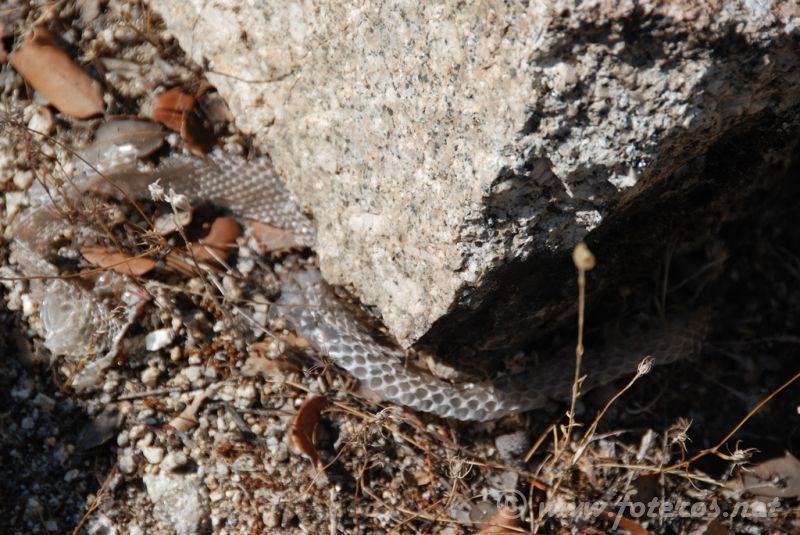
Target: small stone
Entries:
(153, 454)
(136, 432)
(23, 179)
(271, 519)
(158, 339)
(126, 464)
(512, 446)
(33, 508)
(45, 403)
(28, 423)
(15, 200)
(174, 460)
(72, 475)
(150, 376)
(193, 373)
(22, 390)
(245, 396)
(180, 501)
(280, 453)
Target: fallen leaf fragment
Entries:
(51, 72)
(188, 417)
(305, 423)
(505, 520)
(177, 110)
(170, 106)
(117, 261)
(143, 136)
(624, 523)
(219, 242)
(273, 239)
(778, 477)
(256, 365)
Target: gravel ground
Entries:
(190, 430)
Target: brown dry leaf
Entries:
(273, 239)
(197, 132)
(170, 106)
(505, 520)
(178, 111)
(778, 477)
(119, 262)
(219, 241)
(305, 423)
(267, 368)
(51, 72)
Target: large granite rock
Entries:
(452, 153)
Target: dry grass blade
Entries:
(51, 72)
(305, 423)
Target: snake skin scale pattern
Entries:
(252, 189)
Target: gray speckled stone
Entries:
(437, 144)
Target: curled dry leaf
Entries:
(120, 262)
(220, 240)
(51, 72)
(305, 423)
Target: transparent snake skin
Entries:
(252, 189)
(317, 314)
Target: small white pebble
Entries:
(15, 200)
(123, 439)
(29, 306)
(28, 423)
(137, 432)
(158, 339)
(153, 454)
(72, 475)
(192, 373)
(174, 460)
(245, 396)
(23, 179)
(126, 464)
(150, 376)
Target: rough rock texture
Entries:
(452, 153)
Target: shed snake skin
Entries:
(252, 189)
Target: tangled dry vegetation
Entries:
(211, 417)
